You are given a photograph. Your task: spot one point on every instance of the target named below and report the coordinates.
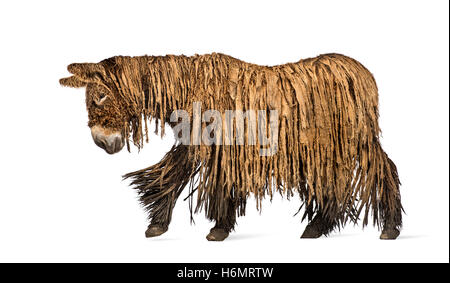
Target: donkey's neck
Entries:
(152, 87)
(167, 81)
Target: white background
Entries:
(62, 198)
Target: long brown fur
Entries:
(328, 142)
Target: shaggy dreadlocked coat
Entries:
(328, 139)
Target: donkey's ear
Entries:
(87, 71)
(72, 82)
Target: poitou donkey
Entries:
(326, 134)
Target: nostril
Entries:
(105, 144)
(118, 144)
(99, 142)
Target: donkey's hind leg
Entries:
(325, 220)
(390, 231)
(315, 228)
(318, 226)
(391, 206)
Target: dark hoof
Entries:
(390, 234)
(217, 234)
(155, 230)
(311, 232)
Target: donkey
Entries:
(325, 137)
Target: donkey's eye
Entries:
(101, 98)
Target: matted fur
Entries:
(328, 142)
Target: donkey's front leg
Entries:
(224, 225)
(223, 211)
(160, 214)
(155, 230)
(160, 185)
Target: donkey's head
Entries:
(107, 118)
